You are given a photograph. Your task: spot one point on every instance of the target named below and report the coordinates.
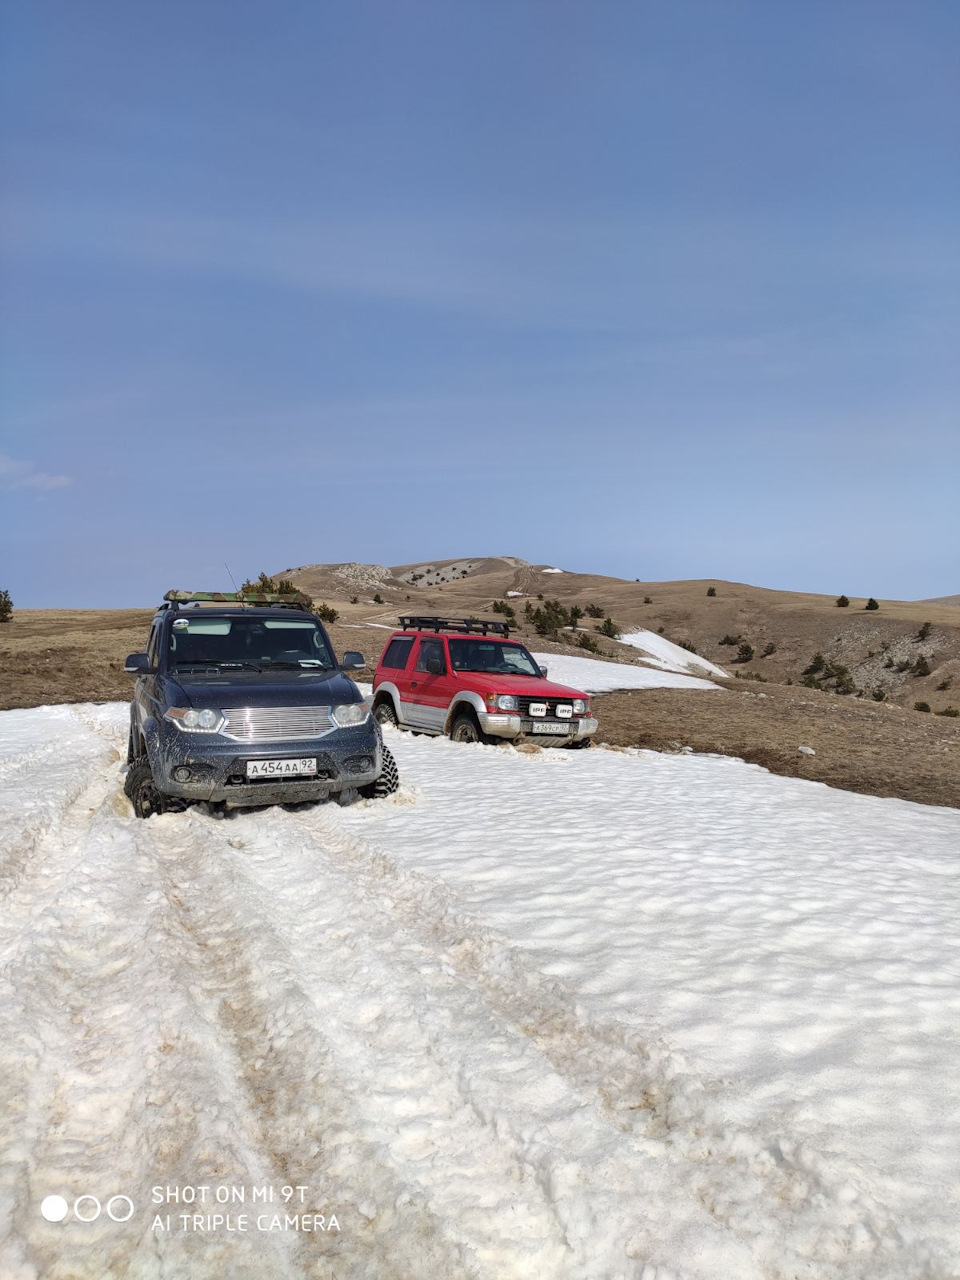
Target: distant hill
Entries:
(941, 600)
(786, 629)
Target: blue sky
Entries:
(661, 290)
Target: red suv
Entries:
(466, 678)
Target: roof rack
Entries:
(275, 599)
(471, 626)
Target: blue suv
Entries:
(240, 701)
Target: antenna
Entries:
(234, 581)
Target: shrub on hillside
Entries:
(576, 613)
(879, 695)
(944, 685)
(378, 598)
(744, 652)
(648, 599)
(921, 667)
(273, 586)
(594, 611)
(686, 644)
(608, 628)
(842, 602)
(501, 606)
(810, 682)
(871, 604)
(729, 639)
(817, 663)
(326, 612)
(6, 606)
(921, 706)
(711, 591)
(768, 649)
(925, 631)
(952, 712)
(553, 617)
(356, 599)
(587, 642)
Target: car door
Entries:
(430, 689)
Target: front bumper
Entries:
(505, 725)
(345, 758)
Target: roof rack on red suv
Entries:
(472, 626)
(468, 678)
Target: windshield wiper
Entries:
(307, 665)
(218, 663)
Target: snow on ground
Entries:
(566, 1014)
(664, 653)
(593, 675)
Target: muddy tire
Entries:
(466, 729)
(388, 781)
(142, 791)
(384, 713)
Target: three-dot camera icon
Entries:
(87, 1209)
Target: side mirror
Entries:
(434, 667)
(543, 671)
(138, 664)
(353, 661)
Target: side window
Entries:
(431, 649)
(397, 652)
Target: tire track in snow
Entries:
(266, 1030)
(536, 1181)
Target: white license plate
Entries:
(281, 768)
(550, 728)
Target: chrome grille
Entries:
(275, 724)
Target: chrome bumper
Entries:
(500, 725)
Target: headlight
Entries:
(190, 720)
(349, 714)
(580, 706)
(507, 702)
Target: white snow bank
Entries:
(593, 675)
(664, 653)
(551, 571)
(558, 1016)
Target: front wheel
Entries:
(466, 729)
(142, 791)
(389, 779)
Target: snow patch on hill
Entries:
(593, 675)
(671, 657)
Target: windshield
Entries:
(492, 655)
(247, 642)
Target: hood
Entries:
(303, 688)
(525, 686)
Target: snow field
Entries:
(591, 1014)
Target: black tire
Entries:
(142, 791)
(384, 713)
(580, 745)
(389, 779)
(466, 729)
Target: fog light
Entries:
(358, 764)
(182, 773)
